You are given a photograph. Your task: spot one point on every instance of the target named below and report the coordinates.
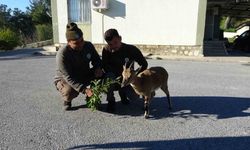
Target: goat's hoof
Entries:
(146, 116)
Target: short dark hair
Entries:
(110, 34)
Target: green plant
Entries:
(44, 32)
(230, 30)
(9, 39)
(98, 87)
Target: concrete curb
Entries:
(51, 50)
(240, 59)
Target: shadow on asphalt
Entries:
(228, 143)
(186, 107)
(204, 106)
(190, 107)
(22, 54)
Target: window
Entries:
(79, 11)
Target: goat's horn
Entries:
(132, 64)
(125, 65)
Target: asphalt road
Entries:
(211, 103)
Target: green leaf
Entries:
(99, 86)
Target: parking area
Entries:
(211, 109)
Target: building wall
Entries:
(60, 20)
(86, 29)
(158, 22)
(62, 11)
(175, 26)
(55, 21)
(201, 22)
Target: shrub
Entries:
(44, 32)
(8, 39)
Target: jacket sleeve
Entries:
(95, 59)
(65, 69)
(139, 58)
(105, 61)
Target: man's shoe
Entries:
(67, 105)
(111, 107)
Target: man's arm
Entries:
(95, 58)
(105, 60)
(139, 58)
(65, 69)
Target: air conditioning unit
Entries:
(99, 4)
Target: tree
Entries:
(227, 22)
(22, 23)
(5, 15)
(38, 11)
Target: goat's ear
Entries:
(138, 70)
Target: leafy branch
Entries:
(98, 87)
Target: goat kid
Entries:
(146, 82)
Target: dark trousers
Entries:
(124, 92)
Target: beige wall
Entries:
(201, 22)
(86, 29)
(59, 24)
(158, 22)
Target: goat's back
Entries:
(153, 77)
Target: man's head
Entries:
(74, 36)
(113, 39)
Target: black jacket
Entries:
(114, 61)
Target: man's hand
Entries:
(98, 72)
(88, 92)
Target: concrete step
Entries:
(214, 48)
(50, 48)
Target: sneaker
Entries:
(111, 107)
(67, 105)
(111, 102)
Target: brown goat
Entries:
(146, 82)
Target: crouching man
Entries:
(114, 55)
(73, 66)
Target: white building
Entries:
(169, 27)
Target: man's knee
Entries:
(67, 92)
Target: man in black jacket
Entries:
(114, 55)
(73, 66)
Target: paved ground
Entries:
(211, 109)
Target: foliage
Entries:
(230, 30)
(22, 23)
(29, 26)
(233, 23)
(9, 39)
(39, 12)
(44, 32)
(98, 87)
(5, 15)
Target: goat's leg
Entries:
(166, 91)
(146, 106)
(152, 94)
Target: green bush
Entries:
(230, 30)
(8, 39)
(44, 32)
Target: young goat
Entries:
(146, 82)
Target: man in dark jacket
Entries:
(73, 66)
(114, 55)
